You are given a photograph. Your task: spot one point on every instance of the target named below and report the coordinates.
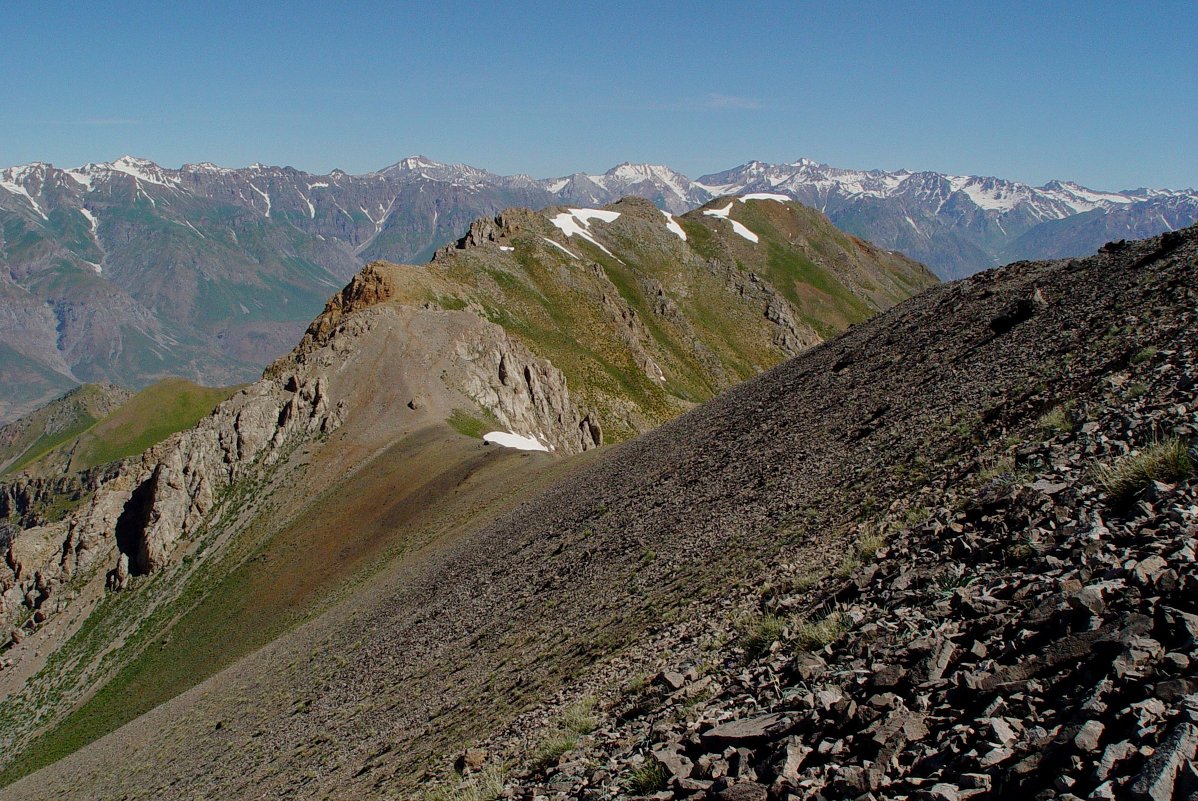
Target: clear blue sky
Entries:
(1100, 92)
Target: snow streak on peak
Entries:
(726, 214)
(576, 222)
(673, 226)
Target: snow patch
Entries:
(576, 222)
(91, 220)
(737, 228)
(17, 189)
(673, 225)
(142, 170)
(764, 196)
(265, 196)
(559, 247)
(509, 440)
(506, 248)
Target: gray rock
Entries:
(746, 729)
(1088, 737)
(1156, 780)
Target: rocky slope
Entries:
(482, 339)
(127, 271)
(962, 447)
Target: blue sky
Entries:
(1100, 92)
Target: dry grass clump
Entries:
(813, 636)
(1125, 478)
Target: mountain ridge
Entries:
(961, 388)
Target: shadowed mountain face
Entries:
(957, 413)
(128, 272)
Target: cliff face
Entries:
(141, 508)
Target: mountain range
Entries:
(128, 272)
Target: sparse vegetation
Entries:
(847, 567)
(580, 717)
(871, 540)
(649, 778)
(1125, 478)
(471, 424)
(760, 633)
(1143, 355)
(577, 720)
(1056, 420)
(813, 636)
(484, 786)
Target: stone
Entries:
(1112, 755)
(792, 763)
(672, 679)
(944, 792)
(1157, 778)
(472, 759)
(1147, 571)
(743, 791)
(678, 765)
(1088, 736)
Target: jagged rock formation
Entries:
(139, 509)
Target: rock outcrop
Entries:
(139, 509)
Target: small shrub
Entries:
(813, 636)
(870, 542)
(556, 745)
(1136, 390)
(1126, 477)
(649, 778)
(846, 568)
(485, 786)
(761, 634)
(807, 581)
(1144, 355)
(580, 718)
(1056, 421)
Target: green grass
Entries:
(1144, 355)
(485, 786)
(649, 778)
(813, 636)
(1124, 479)
(473, 425)
(46, 443)
(149, 417)
(1056, 421)
(761, 633)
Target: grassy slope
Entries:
(59, 421)
(281, 571)
(565, 309)
(150, 416)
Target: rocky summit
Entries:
(948, 553)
